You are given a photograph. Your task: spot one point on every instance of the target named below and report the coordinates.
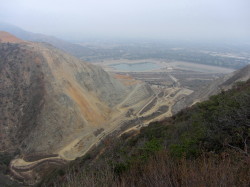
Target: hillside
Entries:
(54, 107)
(205, 145)
(73, 49)
(224, 83)
(8, 38)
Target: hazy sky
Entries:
(153, 19)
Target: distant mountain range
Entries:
(73, 49)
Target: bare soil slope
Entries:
(54, 104)
(5, 37)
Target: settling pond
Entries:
(137, 67)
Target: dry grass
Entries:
(161, 171)
(204, 171)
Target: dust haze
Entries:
(159, 19)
